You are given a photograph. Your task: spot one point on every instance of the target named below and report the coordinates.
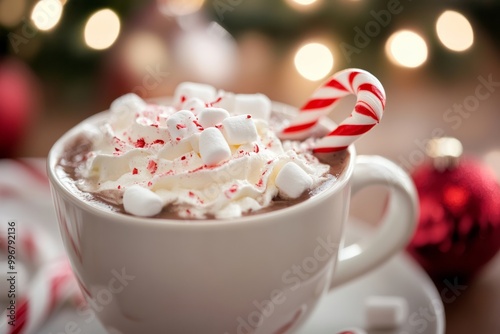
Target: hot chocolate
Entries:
(205, 155)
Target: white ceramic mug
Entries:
(256, 274)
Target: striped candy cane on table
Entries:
(52, 285)
(33, 246)
(367, 112)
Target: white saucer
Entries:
(343, 307)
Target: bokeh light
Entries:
(303, 5)
(144, 51)
(454, 31)
(406, 48)
(11, 12)
(314, 61)
(46, 14)
(303, 2)
(102, 29)
(179, 7)
(207, 54)
(492, 159)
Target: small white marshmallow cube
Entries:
(142, 202)
(385, 312)
(292, 181)
(239, 129)
(187, 90)
(194, 140)
(257, 105)
(181, 124)
(227, 100)
(128, 103)
(213, 147)
(209, 117)
(195, 105)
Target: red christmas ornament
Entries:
(459, 226)
(17, 104)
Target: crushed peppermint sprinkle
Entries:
(152, 166)
(211, 104)
(140, 143)
(182, 163)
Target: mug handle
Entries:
(398, 223)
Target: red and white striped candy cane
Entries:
(367, 111)
(33, 246)
(53, 284)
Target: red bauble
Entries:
(459, 226)
(17, 104)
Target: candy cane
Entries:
(52, 285)
(367, 111)
(33, 246)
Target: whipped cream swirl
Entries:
(209, 154)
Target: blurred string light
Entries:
(313, 61)
(144, 51)
(492, 159)
(179, 7)
(454, 31)
(102, 29)
(11, 12)
(207, 53)
(46, 14)
(406, 48)
(303, 4)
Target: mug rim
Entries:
(61, 188)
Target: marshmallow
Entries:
(213, 147)
(212, 116)
(194, 140)
(385, 312)
(128, 103)
(181, 124)
(257, 105)
(195, 105)
(292, 181)
(239, 129)
(227, 100)
(142, 202)
(187, 90)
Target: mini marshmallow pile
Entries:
(210, 153)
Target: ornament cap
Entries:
(445, 152)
